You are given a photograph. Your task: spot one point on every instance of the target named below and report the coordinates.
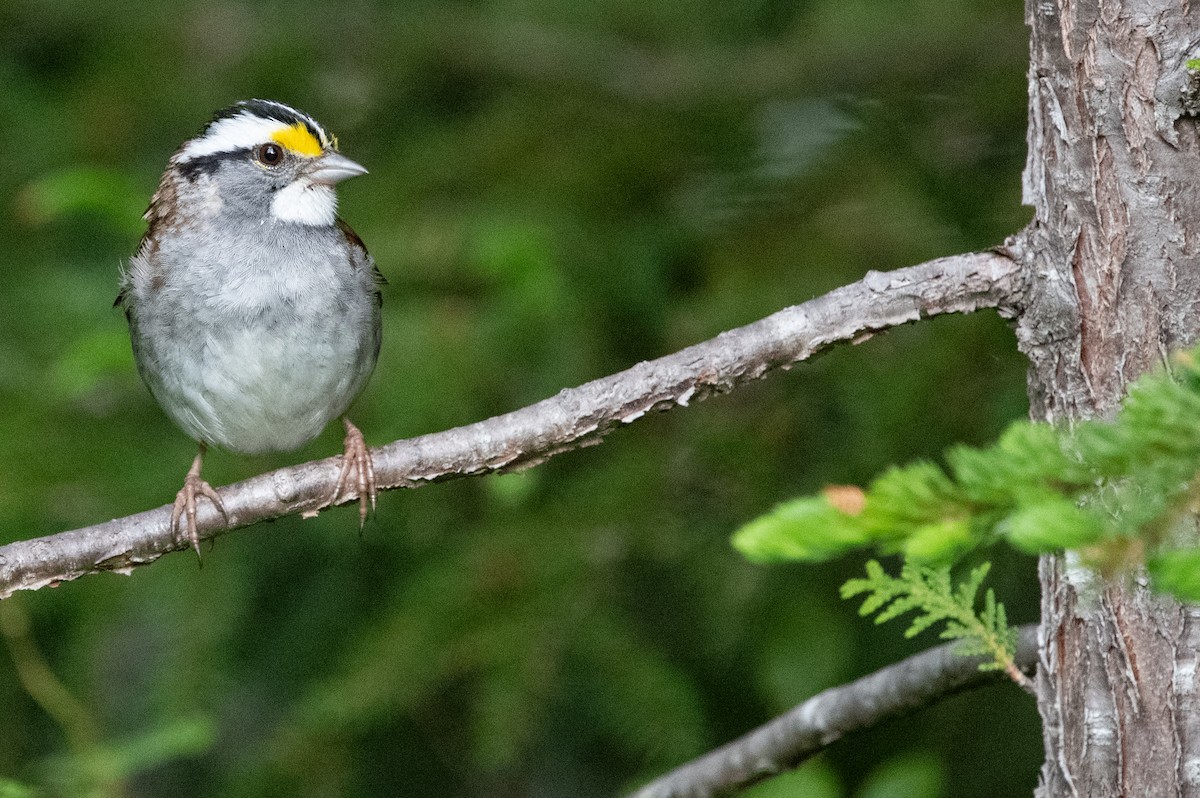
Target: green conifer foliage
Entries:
(1123, 494)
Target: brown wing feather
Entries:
(355, 241)
(156, 215)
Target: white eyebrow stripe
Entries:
(239, 132)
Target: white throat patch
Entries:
(307, 203)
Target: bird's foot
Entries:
(356, 460)
(185, 502)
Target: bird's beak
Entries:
(332, 168)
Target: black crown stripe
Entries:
(269, 109)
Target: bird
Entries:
(254, 310)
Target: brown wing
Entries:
(164, 197)
(362, 256)
(356, 242)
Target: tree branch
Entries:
(807, 729)
(575, 417)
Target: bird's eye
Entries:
(270, 154)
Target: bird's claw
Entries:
(185, 503)
(356, 459)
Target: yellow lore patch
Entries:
(297, 139)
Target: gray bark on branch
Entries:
(807, 729)
(575, 417)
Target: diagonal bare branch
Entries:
(807, 729)
(575, 417)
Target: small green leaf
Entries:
(968, 589)
(933, 594)
(1051, 525)
(174, 739)
(900, 500)
(82, 189)
(804, 529)
(14, 789)
(894, 610)
(1177, 572)
(920, 624)
(872, 603)
(939, 542)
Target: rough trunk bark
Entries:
(1114, 177)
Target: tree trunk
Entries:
(1114, 177)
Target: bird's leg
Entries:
(356, 460)
(185, 500)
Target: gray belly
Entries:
(250, 386)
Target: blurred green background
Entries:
(557, 191)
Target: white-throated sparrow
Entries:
(253, 309)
